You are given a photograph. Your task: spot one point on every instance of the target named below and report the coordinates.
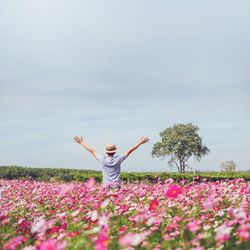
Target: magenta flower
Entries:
(153, 205)
(90, 183)
(123, 208)
(66, 188)
(243, 232)
(102, 241)
(92, 218)
(2, 216)
(122, 229)
(13, 243)
(24, 226)
(56, 229)
(172, 226)
(173, 191)
(51, 244)
(193, 226)
(73, 234)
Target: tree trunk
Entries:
(182, 166)
(178, 168)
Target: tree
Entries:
(180, 142)
(228, 166)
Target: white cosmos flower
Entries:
(38, 225)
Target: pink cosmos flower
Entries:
(90, 183)
(131, 239)
(73, 234)
(13, 243)
(86, 206)
(2, 216)
(122, 229)
(66, 188)
(217, 208)
(193, 226)
(5, 221)
(24, 226)
(153, 205)
(243, 232)
(123, 208)
(139, 218)
(51, 244)
(223, 233)
(173, 191)
(172, 226)
(56, 229)
(198, 248)
(102, 241)
(177, 218)
(208, 204)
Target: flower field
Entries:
(165, 215)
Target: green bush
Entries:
(67, 175)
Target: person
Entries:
(111, 163)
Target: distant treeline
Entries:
(66, 175)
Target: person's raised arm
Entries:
(141, 141)
(79, 140)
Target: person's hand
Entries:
(144, 139)
(78, 139)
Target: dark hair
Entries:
(110, 154)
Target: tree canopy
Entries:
(180, 142)
(228, 166)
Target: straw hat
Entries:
(110, 148)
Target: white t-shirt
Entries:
(111, 168)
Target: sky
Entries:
(113, 71)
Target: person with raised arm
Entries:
(111, 163)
